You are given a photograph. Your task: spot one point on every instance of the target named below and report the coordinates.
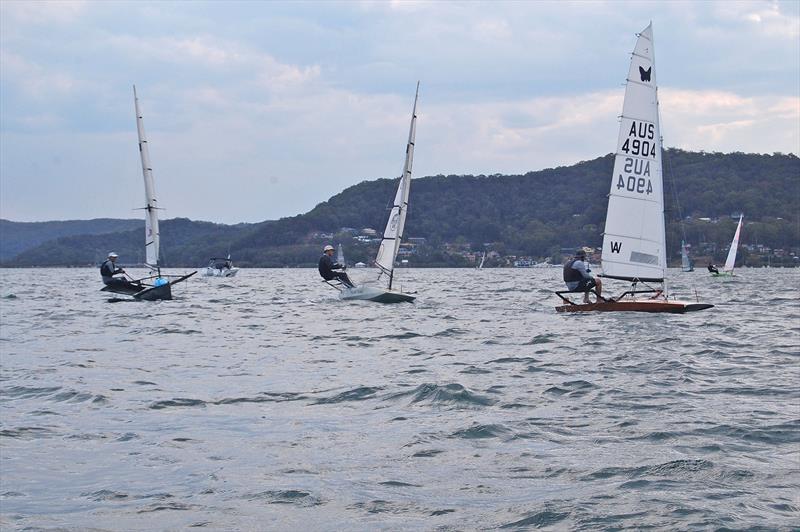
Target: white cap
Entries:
(112, 254)
(327, 248)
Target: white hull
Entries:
(214, 272)
(374, 293)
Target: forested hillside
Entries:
(16, 237)
(534, 215)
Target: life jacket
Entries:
(571, 275)
(107, 270)
(326, 267)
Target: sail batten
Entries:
(390, 244)
(634, 241)
(152, 234)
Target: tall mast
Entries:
(387, 252)
(152, 236)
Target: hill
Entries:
(535, 214)
(16, 237)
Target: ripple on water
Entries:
(478, 407)
(293, 497)
(479, 431)
(357, 394)
(452, 395)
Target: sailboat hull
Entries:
(722, 274)
(375, 294)
(653, 306)
(150, 293)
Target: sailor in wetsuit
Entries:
(577, 278)
(712, 268)
(109, 269)
(327, 265)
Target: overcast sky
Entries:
(258, 110)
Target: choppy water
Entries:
(263, 402)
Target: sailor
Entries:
(109, 269)
(327, 265)
(577, 278)
(712, 268)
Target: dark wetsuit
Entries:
(712, 269)
(326, 267)
(107, 271)
(576, 276)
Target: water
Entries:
(263, 402)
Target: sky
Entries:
(260, 110)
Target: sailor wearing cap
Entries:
(109, 269)
(577, 278)
(327, 265)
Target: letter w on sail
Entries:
(616, 247)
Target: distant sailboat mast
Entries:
(387, 252)
(152, 236)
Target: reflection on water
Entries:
(263, 401)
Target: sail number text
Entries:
(641, 140)
(638, 177)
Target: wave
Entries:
(293, 497)
(479, 431)
(449, 395)
(357, 394)
(546, 518)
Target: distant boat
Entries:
(634, 240)
(219, 267)
(730, 262)
(545, 264)
(340, 255)
(686, 264)
(390, 244)
(483, 259)
(155, 286)
(359, 265)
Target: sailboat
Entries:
(686, 263)
(634, 242)
(340, 255)
(155, 286)
(483, 259)
(390, 244)
(730, 262)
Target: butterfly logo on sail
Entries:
(645, 74)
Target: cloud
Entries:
(35, 80)
(38, 12)
(769, 19)
(287, 103)
(725, 121)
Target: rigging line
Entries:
(671, 176)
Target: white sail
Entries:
(731, 260)
(387, 252)
(634, 241)
(340, 255)
(686, 264)
(152, 239)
